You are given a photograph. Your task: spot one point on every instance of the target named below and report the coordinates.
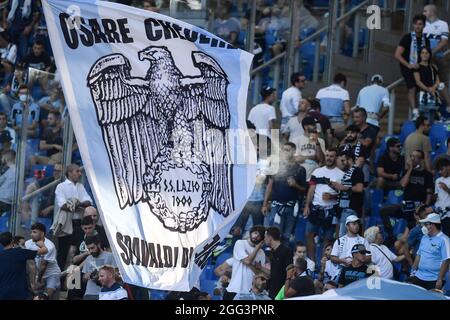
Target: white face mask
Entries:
(425, 230)
(23, 97)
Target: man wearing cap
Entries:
(391, 166)
(258, 290)
(341, 253)
(433, 257)
(263, 115)
(357, 269)
(374, 98)
(290, 99)
(310, 148)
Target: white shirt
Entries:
(242, 276)
(9, 53)
(310, 265)
(342, 247)
(372, 98)
(443, 198)
(332, 270)
(335, 175)
(436, 31)
(67, 189)
(294, 128)
(95, 263)
(332, 100)
(378, 258)
(50, 257)
(290, 100)
(260, 115)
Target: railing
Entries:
(393, 97)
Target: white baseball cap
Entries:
(432, 218)
(377, 76)
(351, 218)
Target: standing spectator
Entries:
(324, 123)
(294, 128)
(391, 166)
(25, 100)
(408, 54)
(248, 260)
(442, 193)
(300, 252)
(351, 190)
(93, 213)
(352, 144)
(357, 269)
(19, 242)
(290, 99)
(7, 181)
(310, 148)
(280, 258)
(19, 19)
(257, 292)
(225, 26)
(429, 83)
(417, 184)
(71, 196)
(437, 32)
(5, 128)
(298, 283)
(321, 202)
(374, 99)
(284, 188)
(263, 116)
(381, 255)
(335, 103)
(48, 271)
(14, 261)
(433, 258)
(419, 140)
(96, 259)
(341, 253)
(111, 289)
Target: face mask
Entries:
(23, 97)
(425, 230)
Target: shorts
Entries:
(408, 75)
(53, 282)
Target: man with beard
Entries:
(321, 202)
(248, 261)
(294, 126)
(92, 264)
(350, 189)
(351, 144)
(391, 166)
(257, 292)
(48, 272)
(284, 189)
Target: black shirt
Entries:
(390, 166)
(281, 191)
(279, 260)
(41, 62)
(351, 274)
(419, 182)
(78, 238)
(349, 199)
(405, 42)
(304, 286)
(427, 75)
(51, 137)
(357, 149)
(369, 132)
(13, 273)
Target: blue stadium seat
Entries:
(306, 32)
(270, 37)
(208, 273)
(222, 258)
(438, 135)
(395, 197)
(158, 294)
(407, 128)
(372, 221)
(208, 286)
(4, 221)
(376, 201)
(300, 229)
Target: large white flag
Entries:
(157, 106)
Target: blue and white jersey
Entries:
(436, 31)
(332, 100)
(372, 98)
(433, 251)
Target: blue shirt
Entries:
(372, 98)
(433, 251)
(415, 235)
(332, 100)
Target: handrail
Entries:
(311, 37)
(40, 190)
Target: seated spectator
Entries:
(8, 54)
(298, 283)
(391, 166)
(300, 252)
(357, 269)
(7, 181)
(53, 102)
(11, 85)
(111, 289)
(279, 27)
(258, 290)
(51, 141)
(96, 258)
(5, 129)
(5, 145)
(442, 194)
(419, 140)
(33, 115)
(381, 255)
(328, 269)
(433, 257)
(225, 26)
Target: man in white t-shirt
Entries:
(321, 202)
(310, 148)
(374, 99)
(335, 103)
(249, 258)
(294, 126)
(341, 253)
(47, 273)
(290, 99)
(263, 115)
(442, 191)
